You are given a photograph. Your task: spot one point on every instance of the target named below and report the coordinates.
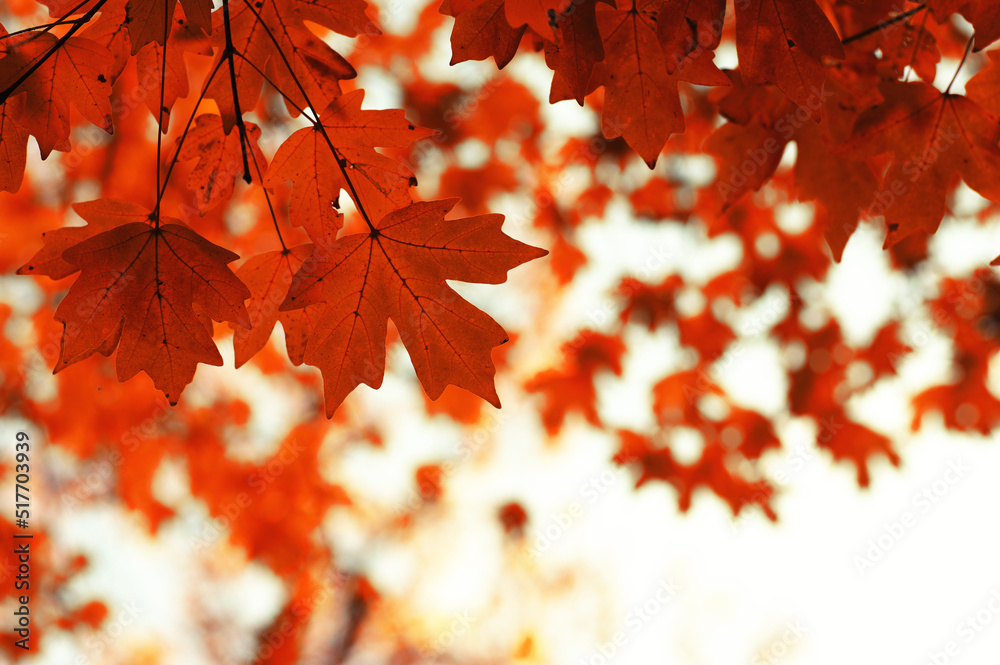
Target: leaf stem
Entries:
(301, 111)
(159, 117)
(341, 162)
(187, 128)
(267, 197)
(44, 27)
(228, 53)
(968, 47)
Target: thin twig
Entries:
(55, 47)
(968, 47)
(341, 162)
(884, 24)
(187, 128)
(159, 117)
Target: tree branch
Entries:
(884, 24)
(228, 53)
(79, 23)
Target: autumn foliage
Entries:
(201, 163)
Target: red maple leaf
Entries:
(273, 33)
(539, 15)
(576, 49)
(933, 137)
(148, 20)
(783, 42)
(13, 146)
(571, 386)
(481, 30)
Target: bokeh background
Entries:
(657, 487)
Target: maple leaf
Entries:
(268, 277)
(689, 33)
(942, 9)
(756, 434)
(571, 386)
(885, 352)
(481, 30)
(748, 156)
(782, 42)
(339, 294)
(841, 186)
(648, 304)
(476, 186)
(710, 471)
(966, 405)
(852, 442)
(307, 159)
(676, 397)
(184, 38)
(294, 501)
(577, 48)
(110, 29)
(642, 104)
(397, 271)
(13, 146)
(148, 20)
(219, 158)
(910, 46)
(932, 137)
(149, 290)
(984, 87)
(539, 15)
(273, 33)
(705, 333)
(53, 77)
(986, 21)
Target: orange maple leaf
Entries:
(268, 277)
(148, 289)
(53, 77)
(642, 103)
(397, 271)
(381, 183)
(219, 158)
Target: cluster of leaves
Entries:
(834, 79)
(641, 52)
(149, 286)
